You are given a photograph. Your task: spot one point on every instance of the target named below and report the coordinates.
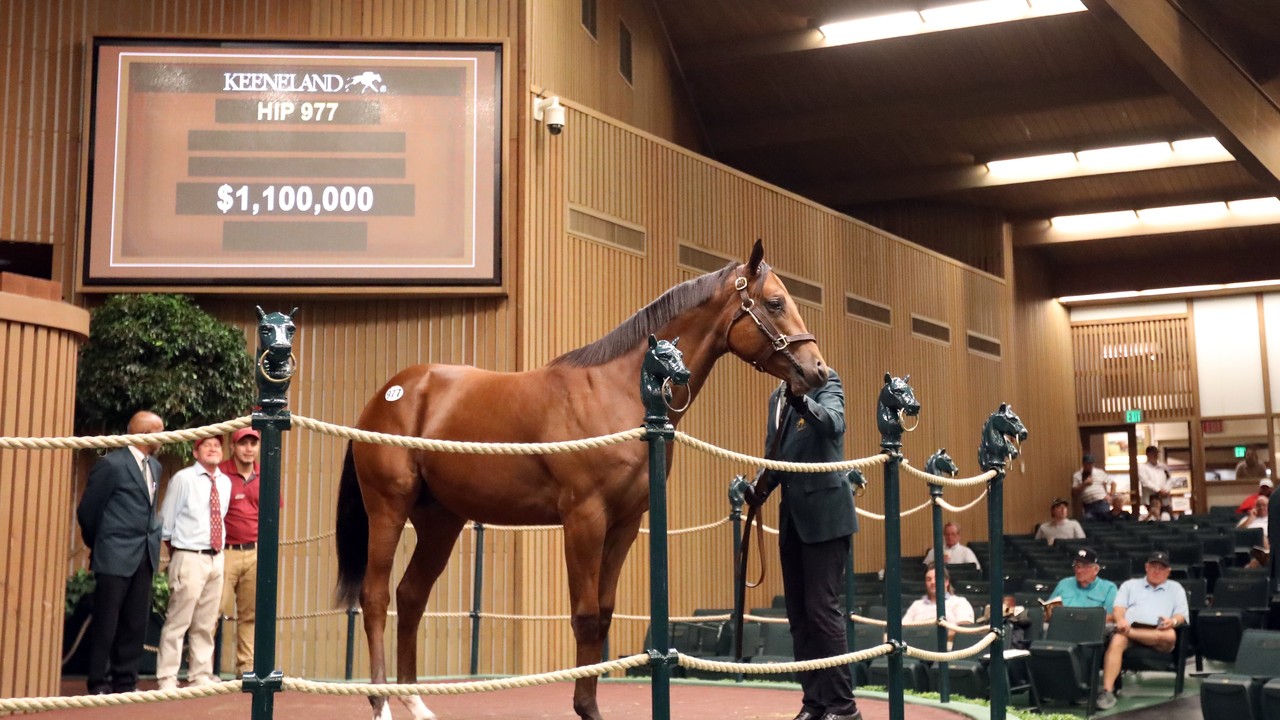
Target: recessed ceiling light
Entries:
(1205, 149)
(1125, 157)
(1179, 214)
(943, 17)
(1094, 222)
(1036, 166)
(1256, 206)
(1161, 292)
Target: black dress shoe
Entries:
(806, 715)
(855, 715)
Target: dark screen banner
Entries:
(262, 164)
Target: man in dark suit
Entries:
(816, 520)
(118, 521)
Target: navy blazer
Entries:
(117, 515)
(820, 504)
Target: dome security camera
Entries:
(550, 112)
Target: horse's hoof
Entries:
(418, 708)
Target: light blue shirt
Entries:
(1099, 593)
(184, 516)
(1146, 603)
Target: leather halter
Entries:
(777, 341)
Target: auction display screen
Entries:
(262, 164)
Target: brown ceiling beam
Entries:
(697, 58)
(776, 129)
(1182, 270)
(1191, 66)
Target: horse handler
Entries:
(816, 521)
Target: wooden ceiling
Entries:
(907, 120)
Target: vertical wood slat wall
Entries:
(1133, 364)
(39, 345)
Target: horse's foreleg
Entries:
(617, 543)
(437, 530)
(583, 548)
(386, 522)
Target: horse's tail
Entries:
(352, 535)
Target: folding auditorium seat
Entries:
(1065, 666)
(1238, 695)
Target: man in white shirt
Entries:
(1092, 486)
(1060, 527)
(953, 552)
(925, 610)
(1153, 476)
(192, 515)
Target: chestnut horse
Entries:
(598, 496)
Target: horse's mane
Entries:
(688, 294)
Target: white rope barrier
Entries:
(462, 688)
(118, 441)
(783, 465)
(961, 508)
(948, 481)
(40, 704)
(769, 668)
(975, 649)
(464, 447)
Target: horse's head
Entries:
(897, 401)
(941, 464)
(1001, 437)
(775, 340)
(663, 366)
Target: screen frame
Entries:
(494, 283)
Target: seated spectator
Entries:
(1264, 491)
(957, 609)
(1146, 612)
(1086, 589)
(1156, 511)
(1257, 516)
(1060, 527)
(1117, 509)
(953, 553)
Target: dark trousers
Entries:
(1098, 510)
(813, 581)
(121, 606)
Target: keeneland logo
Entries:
(367, 81)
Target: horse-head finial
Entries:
(1002, 436)
(276, 361)
(663, 366)
(897, 402)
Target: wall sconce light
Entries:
(551, 112)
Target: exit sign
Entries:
(1133, 416)
(1240, 450)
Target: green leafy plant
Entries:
(160, 592)
(165, 354)
(80, 584)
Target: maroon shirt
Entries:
(241, 524)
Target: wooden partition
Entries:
(39, 344)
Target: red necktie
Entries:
(215, 516)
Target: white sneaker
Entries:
(169, 683)
(202, 680)
(1106, 700)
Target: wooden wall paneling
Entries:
(1140, 363)
(40, 341)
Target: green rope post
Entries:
(940, 583)
(477, 581)
(275, 368)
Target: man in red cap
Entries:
(191, 524)
(240, 582)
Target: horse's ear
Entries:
(943, 451)
(1004, 406)
(907, 380)
(261, 314)
(653, 341)
(757, 255)
(888, 377)
(676, 341)
(293, 314)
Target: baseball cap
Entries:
(1266, 482)
(202, 441)
(243, 433)
(1056, 502)
(1086, 556)
(1087, 459)
(1159, 557)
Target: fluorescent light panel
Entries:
(1249, 211)
(1123, 158)
(943, 17)
(1157, 292)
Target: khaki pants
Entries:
(239, 598)
(195, 582)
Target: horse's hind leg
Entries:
(437, 530)
(386, 522)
